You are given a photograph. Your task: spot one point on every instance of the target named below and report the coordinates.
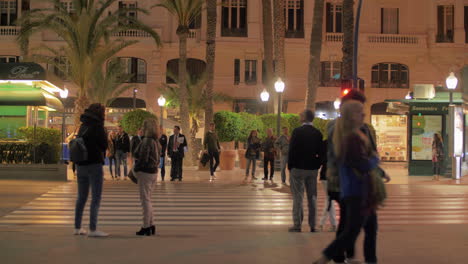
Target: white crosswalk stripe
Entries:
(220, 204)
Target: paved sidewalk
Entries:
(397, 245)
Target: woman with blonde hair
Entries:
(146, 168)
(437, 155)
(356, 159)
(110, 153)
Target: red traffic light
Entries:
(345, 92)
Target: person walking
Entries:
(90, 171)
(110, 153)
(329, 208)
(334, 189)
(176, 148)
(163, 143)
(122, 147)
(252, 153)
(282, 143)
(304, 159)
(211, 145)
(438, 155)
(269, 153)
(147, 155)
(135, 141)
(356, 158)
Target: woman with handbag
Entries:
(356, 159)
(252, 153)
(147, 156)
(437, 155)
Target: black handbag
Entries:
(132, 176)
(205, 158)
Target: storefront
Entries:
(391, 133)
(27, 96)
(425, 118)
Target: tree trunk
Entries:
(348, 43)
(280, 29)
(211, 16)
(268, 50)
(314, 59)
(184, 106)
(81, 103)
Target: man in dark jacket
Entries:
(135, 141)
(175, 150)
(122, 147)
(211, 145)
(89, 172)
(163, 142)
(304, 159)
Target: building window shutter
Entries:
(329, 18)
(236, 71)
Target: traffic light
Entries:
(346, 86)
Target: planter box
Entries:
(51, 172)
(242, 159)
(227, 159)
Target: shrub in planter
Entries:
(133, 120)
(294, 121)
(227, 127)
(248, 123)
(321, 125)
(46, 143)
(269, 121)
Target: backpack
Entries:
(78, 150)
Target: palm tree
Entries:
(186, 11)
(348, 29)
(196, 100)
(109, 84)
(280, 29)
(314, 58)
(87, 35)
(211, 17)
(268, 48)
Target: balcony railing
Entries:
(9, 30)
(393, 39)
(132, 33)
(334, 37)
(193, 33)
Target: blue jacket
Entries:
(352, 184)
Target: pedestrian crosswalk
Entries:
(213, 204)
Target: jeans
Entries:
(162, 165)
(254, 165)
(176, 167)
(298, 180)
(265, 167)
(121, 157)
(436, 166)
(215, 156)
(112, 160)
(146, 184)
(329, 209)
(284, 164)
(351, 224)
(88, 175)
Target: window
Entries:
(250, 72)
(61, 67)
(236, 71)
(136, 67)
(234, 18)
(445, 21)
(330, 73)
(68, 5)
(294, 17)
(390, 75)
(195, 70)
(9, 59)
(130, 5)
(196, 23)
(334, 17)
(8, 12)
(389, 20)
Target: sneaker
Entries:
(80, 232)
(254, 178)
(97, 234)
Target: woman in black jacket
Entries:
(89, 172)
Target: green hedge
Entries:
(228, 125)
(133, 120)
(269, 121)
(293, 121)
(248, 123)
(46, 142)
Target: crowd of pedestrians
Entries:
(346, 164)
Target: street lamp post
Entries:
(452, 82)
(279, 87)
(63, 95)
(135, 91)
(264, 95)
(161, 103)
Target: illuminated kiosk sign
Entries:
(22, 71)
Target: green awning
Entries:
(22, 94)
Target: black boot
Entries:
(153, 230)
(144, 232)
